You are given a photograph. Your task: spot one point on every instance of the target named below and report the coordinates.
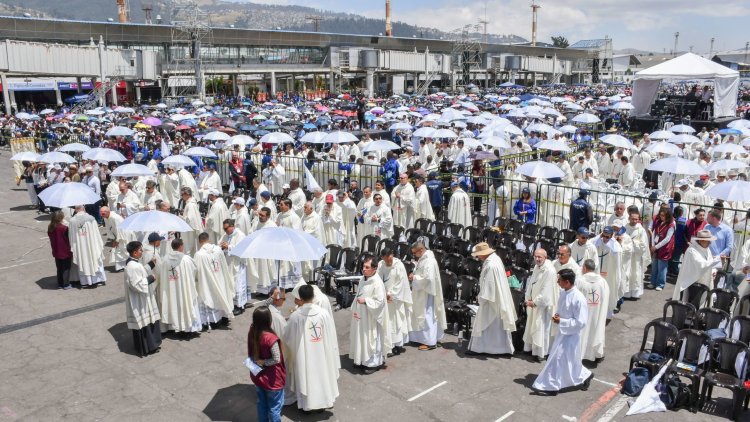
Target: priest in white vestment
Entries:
(238, 213)
(312, 225)
(217, 213)
(626, 246)
(348, 214)
(297, 195)
(127, 202)
(312, 362)
(187, 180)
(267, 202)
(275, 301)
(212, 181)
(265, 272)
(331, 217)
(379, 218)
(422, 204)
(112, 192)
(179, 297)
(380, 190)
(289, 271)
(237, 267)
(459, 206)
(596, 291)
(364, 228)
(564, 368)
(541, 292)
(117, 238)
(319, 299)
(609, 264)
(398, 294)
(496, 317)
(583, 248)
(141, 310)
(403, 203)
(192, 216)
(369, 333)
(150, 196)
(169, 186)
(213, 282)
(428, 309)
(640, 259)
(87, 247)
(697, 265)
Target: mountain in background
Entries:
(241, 15)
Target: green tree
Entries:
(560, 42)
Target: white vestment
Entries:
(380, 221)
(88, 249)
(214, 284)
(130, 202)
(404, 201)
(140, 305)
(331, 217)
(564, 367)
(217, 213)
(312, 362)
(369, 339)
(399, 307)
(541, 288)
(237, 268)
(609, 265)
(580, 253)
(696, 267)
(422, 204)
(211, 181)
(179, 297)
(428, 316)
(459, 208)
(596, 291)
(118, 254)
(640, 259)
(241, 219)
(312, 225)
(496, 317)
(265, 271)
(192, 216)
(348, 214)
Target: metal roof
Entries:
(590, 43)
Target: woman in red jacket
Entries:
(60, 242)
(662, 246)
(264, 348)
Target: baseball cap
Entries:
(252, 202)
(265, 194)
(608, 230)
(214, 192)
(583, 231)
(584, 192)
(153, 237)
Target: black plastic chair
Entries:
(370, 243)
(688, 351)
(441, 242)
(461, 246)
(473, 234)
(412, 235)
(739, 328)
(479, 220)
(721, 372)
(507, 239)
(423, 224)
(333, 259)
(549, 233)
(567, 235)
(490, 235)
(454, 263)
(710, 318)
(438, 253)
(449, 283)
(743, 308)
(522, 259)
(521, 274)
(397, 232)
(696, 295)
(664, 336)
(549, 246)
(515, 227)
(386, 243)
(505, 254)
(473, 267)
(455, 229)
(683, 314)
(501, 222)
(439, 227)
(469, 287)
(531, 230)
(723, 299)
(349, 266)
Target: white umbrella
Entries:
(123, 110)
(677, 165)
(682, 129)
(424, 132)
(47, 111)
(94, 112)
(380, 145)
(25, 156)
(568, 129)
(726, 165)
(664, 148)
(119, 131)
(585, 119)
(471, 143)
(729, 149)
(313, 138)
(684, 138)
(661, 135)
(280, 243)
(63, 195)
(622, 105)
(23, 115)
(199, 152)
(618, 141)
(56, 157)
(731, 190)
(241, 140)
(161, 106)
(132, 170)
(277, 138)
(513, 130)
(540, 169)
(178, 160)
(340, 137)
(496, 142)
(154, 221)
(400, 126)
(444, 134)
(74, 147)
(736, 124)
(573, 106)
(103, 154)
(197, 103)
(553, 145)
(216, 136)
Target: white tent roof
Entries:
(687, 66)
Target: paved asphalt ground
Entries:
(68, 355)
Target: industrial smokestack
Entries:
(388, 26)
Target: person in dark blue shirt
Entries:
(680, 240)
(390, 172)
(435, 189)
(581, 212)
(525, 207)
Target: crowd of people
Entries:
(190, 281)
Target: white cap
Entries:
(214, 192)
(683, 182)
(238, 201)
(286, 186)
(56, 167)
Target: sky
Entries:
(641, 24)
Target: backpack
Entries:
(636, 379)
(344, 297)
(675, 393)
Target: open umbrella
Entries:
(482, 155)
(199, 152)
(340, 137)
(216, 136)
(277, 138)
(726, 165)
(380, 145)
(618, 141)
(496, 142)
(684, 138)
(677, 165)
(74, 147)
(661, 135)
(154, 221)
(104, 154)
(280, 243)
(540, 169)
(731, 190)
(313, 138)
(119, 131)
(424, 132)
(664, 148)
(132, 170)
(729, 149)
(56, 157)
(585, 119)
(25, 156)
(553, 145)
(62, 195)
(444, 134)
(682, 129)
(242, 140)
(178, 160)
(400, 126)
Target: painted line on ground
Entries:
(428, 390)
(23, 263)
(612, 412)
(72, 312)
(611, 384)
(569, 418)
(505, 416)
(599, 404)
(6, 212)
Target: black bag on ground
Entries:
(636, 379)
(344, 296)
(675, 394)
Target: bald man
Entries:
(541, 298)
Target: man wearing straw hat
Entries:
(697, 264)
(496, 316)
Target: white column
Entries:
(58, 97)
(137, 94)
(114, 92)
(273, 83)
(6, 93)
(370, 82)
(12, 100)
(331, 82)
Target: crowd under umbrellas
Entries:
(196, 139)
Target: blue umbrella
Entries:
(729, 131)
(308, 126)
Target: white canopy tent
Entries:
(689, 66)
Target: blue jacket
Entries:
(530, 209)
(435, 190)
